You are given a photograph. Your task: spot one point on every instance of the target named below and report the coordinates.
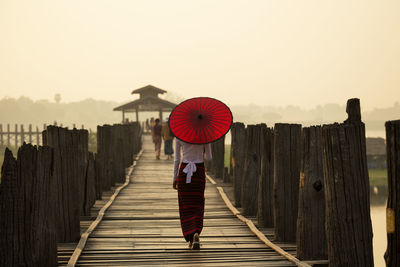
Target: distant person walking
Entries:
(168, 138)
(156, 135)
(148, 128)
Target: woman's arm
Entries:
(177, 157)
(207, 151)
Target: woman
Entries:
(189, 180)
(156, 134)
(167, 137)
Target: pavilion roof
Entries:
(148, 103)
(148, 88)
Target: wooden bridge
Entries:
(306, 189)
(142, 227)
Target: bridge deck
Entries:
(142, 227)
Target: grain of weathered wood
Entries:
(287, 139)
(311, 238)
(116, 147)
(81, 139)
(265, 214)
(27, 230)
(69, 169)
(238, 147)
(392, 255)
(11, 212)
(251, 170)
(90, 185)
(348, 221)
(218, 153)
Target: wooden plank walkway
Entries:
(142, 227)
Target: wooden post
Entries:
(218, 153)
(287, 138)
(137, 114)
(265, 214)
(251, 170)
(226, 177)
(123, 116)
(27, 233)
(66, 172)
(238, 147)
(30, 133)
(22, 134)
(16, 136)
(1, 135)
(8, 135)
(311, 238)
(392, 256)
(346, 181)
(73, 126)
(38, 136)
(103, 156)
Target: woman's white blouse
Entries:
(191, 154)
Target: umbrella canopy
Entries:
(200, 120)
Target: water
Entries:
(378, 217)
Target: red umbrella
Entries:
(200, 120)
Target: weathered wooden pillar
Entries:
(66, 172)
(80, 143)
(27, 230)
(8, 135)
(392, 255)
(265, 214)
(287, 139)
(30, 133)
(16, 136)
(90, 185)
(22, 134)
(348, 222)
(38, 136)
(311, 238)
(226, 175)
(98, 184)
(238, 147)
(218, 154)
(251, 170)
(1, 135)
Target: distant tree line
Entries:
(91, 112)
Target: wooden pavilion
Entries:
(148, 101)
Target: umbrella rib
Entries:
(207, 130)
(187, 132)
(216, 123)
(217, 130)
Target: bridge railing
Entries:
(47, 188)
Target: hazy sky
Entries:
(264, 52)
